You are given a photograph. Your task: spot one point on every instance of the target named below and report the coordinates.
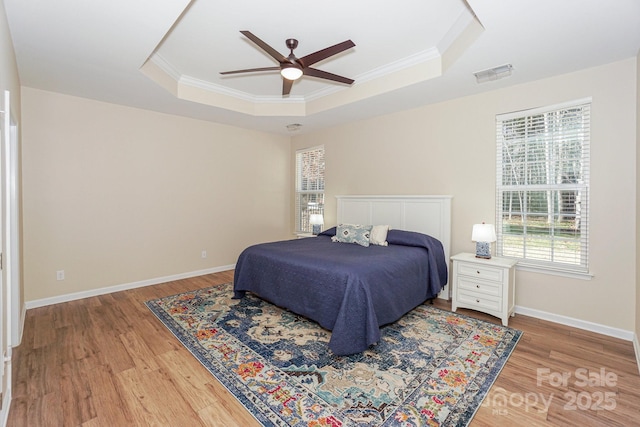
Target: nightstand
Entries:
(304, 235)
(486, 285)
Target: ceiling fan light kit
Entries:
(291, 72)
(292, 68)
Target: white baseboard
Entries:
(577, 323)
(539, 314)
(636, 347)
(117, 288)
(23, 316)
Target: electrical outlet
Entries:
(60, 274)
(204, 254)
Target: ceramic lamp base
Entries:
(483, 250)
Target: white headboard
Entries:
(425, 214)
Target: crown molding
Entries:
(380, 72)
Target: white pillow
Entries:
(378, 235)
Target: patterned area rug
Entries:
(431, 368)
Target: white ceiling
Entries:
(166, 55)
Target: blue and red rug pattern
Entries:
(431, 368)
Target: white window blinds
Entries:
(543, 186)
(309, 186)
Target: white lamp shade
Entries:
(291, 72)
(483, 233)
(316, 219)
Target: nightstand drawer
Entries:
(483, 302)
(480, 271)
(479, 286)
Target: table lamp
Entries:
(483, 234)
(316, 221)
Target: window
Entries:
(309, 186)
(543, 186)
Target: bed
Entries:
(350, 289)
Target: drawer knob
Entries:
(478, 271)
(478, 286)
(477, 300)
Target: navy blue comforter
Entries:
(346, 288)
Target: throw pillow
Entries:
(353, 233)
(379, 235)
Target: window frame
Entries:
(551, 139)
(316, 195)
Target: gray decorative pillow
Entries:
(379, 235)
(353, 233)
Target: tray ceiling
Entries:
(166, 55)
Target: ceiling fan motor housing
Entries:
(292, 44)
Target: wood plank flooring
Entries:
(107, 361)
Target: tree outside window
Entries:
(309, 186)
(543, 186)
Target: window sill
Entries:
(534, 268)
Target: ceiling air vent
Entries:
(294, 127)
(493, 73)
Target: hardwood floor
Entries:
(107, 361)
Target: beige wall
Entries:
(449, 148)
(115, 195)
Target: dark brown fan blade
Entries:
(251, 70)
(313, 72)
(318, 56)
(286, 86)
(262, 45)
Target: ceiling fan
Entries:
(292, 68)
